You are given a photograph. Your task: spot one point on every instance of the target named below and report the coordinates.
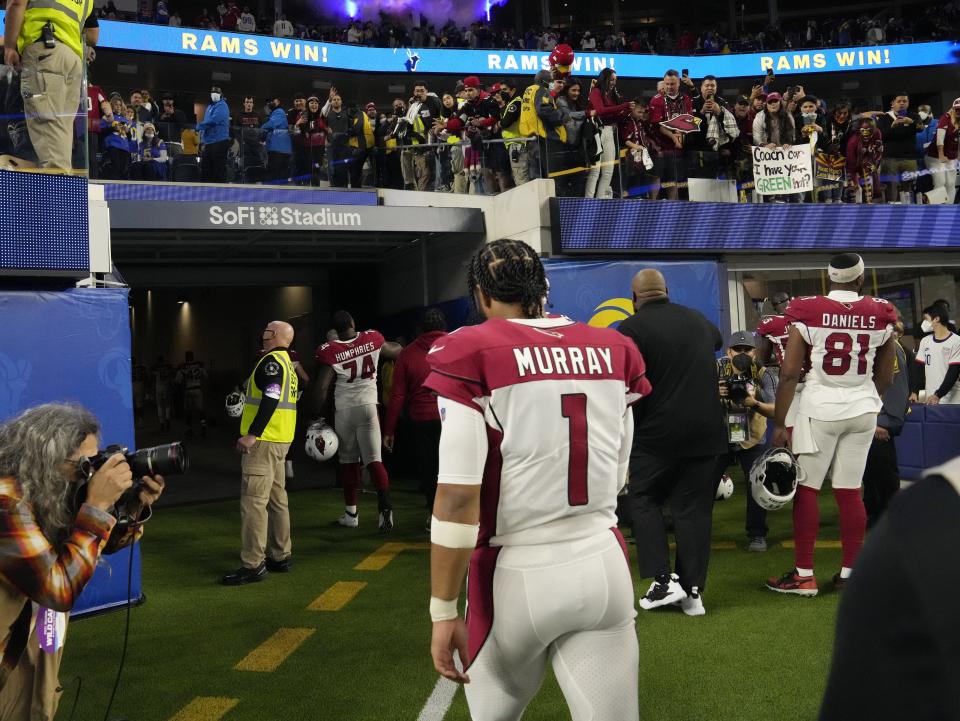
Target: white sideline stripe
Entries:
(441, 699)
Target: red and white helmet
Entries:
(322, 442)
(724, 488)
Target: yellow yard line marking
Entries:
(205, 708)
(337, 596)
(818, 544)
(271, 653)
(715, 546)
(379, 559)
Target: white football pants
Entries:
(843, 448)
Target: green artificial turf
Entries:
(755, 655)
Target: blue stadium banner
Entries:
(663, 226)
(74, 346)
(264, 48)
(598, 292)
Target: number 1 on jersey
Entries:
(573, 406)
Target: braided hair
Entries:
(511, 272)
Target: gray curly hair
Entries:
(33, 446)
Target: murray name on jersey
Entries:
(563, 361)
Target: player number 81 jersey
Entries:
(843, 330)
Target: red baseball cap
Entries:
(471, 81)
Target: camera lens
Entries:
(167, 460)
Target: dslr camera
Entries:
(740, 379)
(169, 459)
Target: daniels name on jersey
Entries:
(355, 363)
(553, 394)
(843, 331)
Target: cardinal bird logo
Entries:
(684, 124)
(320, 443)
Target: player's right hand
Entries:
(450, 636)
(881, 434)
(388, 443)
(780, 437)
(109, 482)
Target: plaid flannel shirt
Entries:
(31, 569)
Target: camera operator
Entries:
(48, 551)
(747, 391)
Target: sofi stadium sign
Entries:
(262, 48)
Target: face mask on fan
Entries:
(215, 97)
(927, 326)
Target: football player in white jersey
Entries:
(939, 354)
(537, 431)
(848, 340)
(352, 358)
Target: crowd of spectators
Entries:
(939, 22)
(478, 138)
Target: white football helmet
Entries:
(234, 404)
(322, 442)
(725, 488)
(774, 478)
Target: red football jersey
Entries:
(553, 394)
(776, 329)
(355, 363)
(843, 331)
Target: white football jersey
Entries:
(937, 356)
(553, 394)
(355, 363)
(843, 331)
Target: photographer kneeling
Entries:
(48, 548)
(747, 391)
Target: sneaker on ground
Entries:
(349, 520)
(663, 594)
(790, 582)
(386, 521)
(692, 605)
(758, 544)
(839, 582)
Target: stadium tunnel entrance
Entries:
(208, 267)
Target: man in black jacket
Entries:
(679, 433)
(899, 166)
(897, 649)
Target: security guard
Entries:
(510, 123)
(267, 426)
(46, 38)
(540, 116)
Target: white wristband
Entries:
(441, 610)
(453, 535)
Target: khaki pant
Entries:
(33, 691)
(51, 84)
(898, 174)
(424, 165)
(406, 168)
(264, 513)
(519, 162)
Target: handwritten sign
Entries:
(782, 171)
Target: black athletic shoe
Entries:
(839, 582)
(243, 576)
(279, 566)
(663, 592)
(385, 524)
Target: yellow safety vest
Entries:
(283, 423)
(367, 134)
(512, 131)
(66, 16)
(530, 122)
